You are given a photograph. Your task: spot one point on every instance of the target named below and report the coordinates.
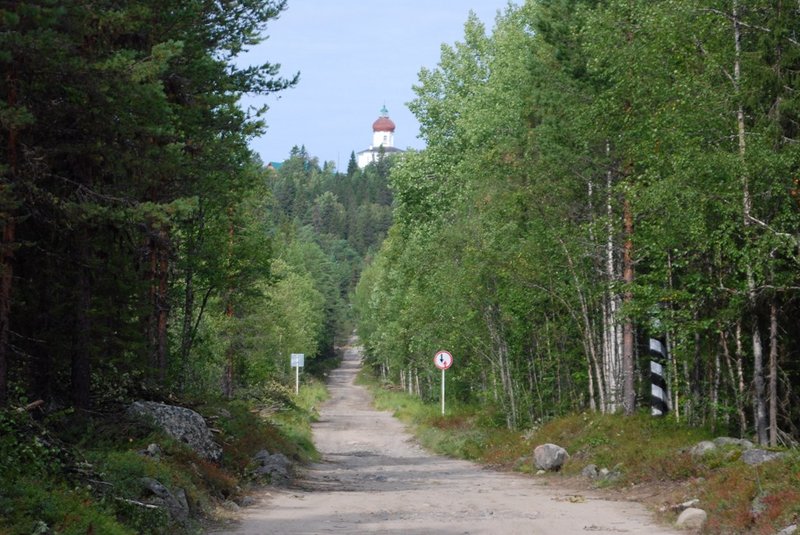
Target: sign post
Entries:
(443, 360)
(297, 363)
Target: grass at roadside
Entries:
(651, 457)
(78, 474)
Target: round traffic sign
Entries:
(443, 359)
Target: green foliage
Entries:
(84, 472)
(33, 507)
(296, 425)
(585, 171)
(327, 224)
(646, 449)
(133, 207)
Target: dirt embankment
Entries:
(374, 479)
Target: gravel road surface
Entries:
(373, 478)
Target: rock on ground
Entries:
(175, 502)
(701, 448)
(728, 441)
(692, 518)
(757, 456)
(276, 467)
(181, 424)
(550, 457)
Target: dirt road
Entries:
(374, 479)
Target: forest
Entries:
(599, 174)
(600, 178)
(147, 252)
(596, 175)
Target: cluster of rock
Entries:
(749, 453)
(551, 457)
(692, 517)
(189, 427)
(601, 475)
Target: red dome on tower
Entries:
(383, 124)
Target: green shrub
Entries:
(33, 505)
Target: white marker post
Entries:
(443, 360)
(297, 363)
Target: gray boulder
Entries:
(175, 503)
(181, 424)
(692, 518)
(738, 442)
(276, 468)
(152, 450)
(549, 457)
(701, 448)
(611, 475)
(590, 471)
(788, 530)
(757, 456)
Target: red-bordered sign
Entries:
(443, 359)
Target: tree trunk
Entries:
(588, 336)
(81, 358)
(227, 379)
(669, 338)
(714, 394)
(162, 305)
(227, 382)
(628, 386)
(742, 391)
(611, 325)
(158, 299)
(773, 375)
(188, 315)
(759, 406)
(6, 284)
(696, 388)
(500, 349)
(7, 247)
(673, 381)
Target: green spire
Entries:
(384, 111)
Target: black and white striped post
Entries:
(659, 399)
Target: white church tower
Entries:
(382, 140)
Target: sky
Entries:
(354, 56)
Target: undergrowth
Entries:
(70, 473)
(644, 453)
